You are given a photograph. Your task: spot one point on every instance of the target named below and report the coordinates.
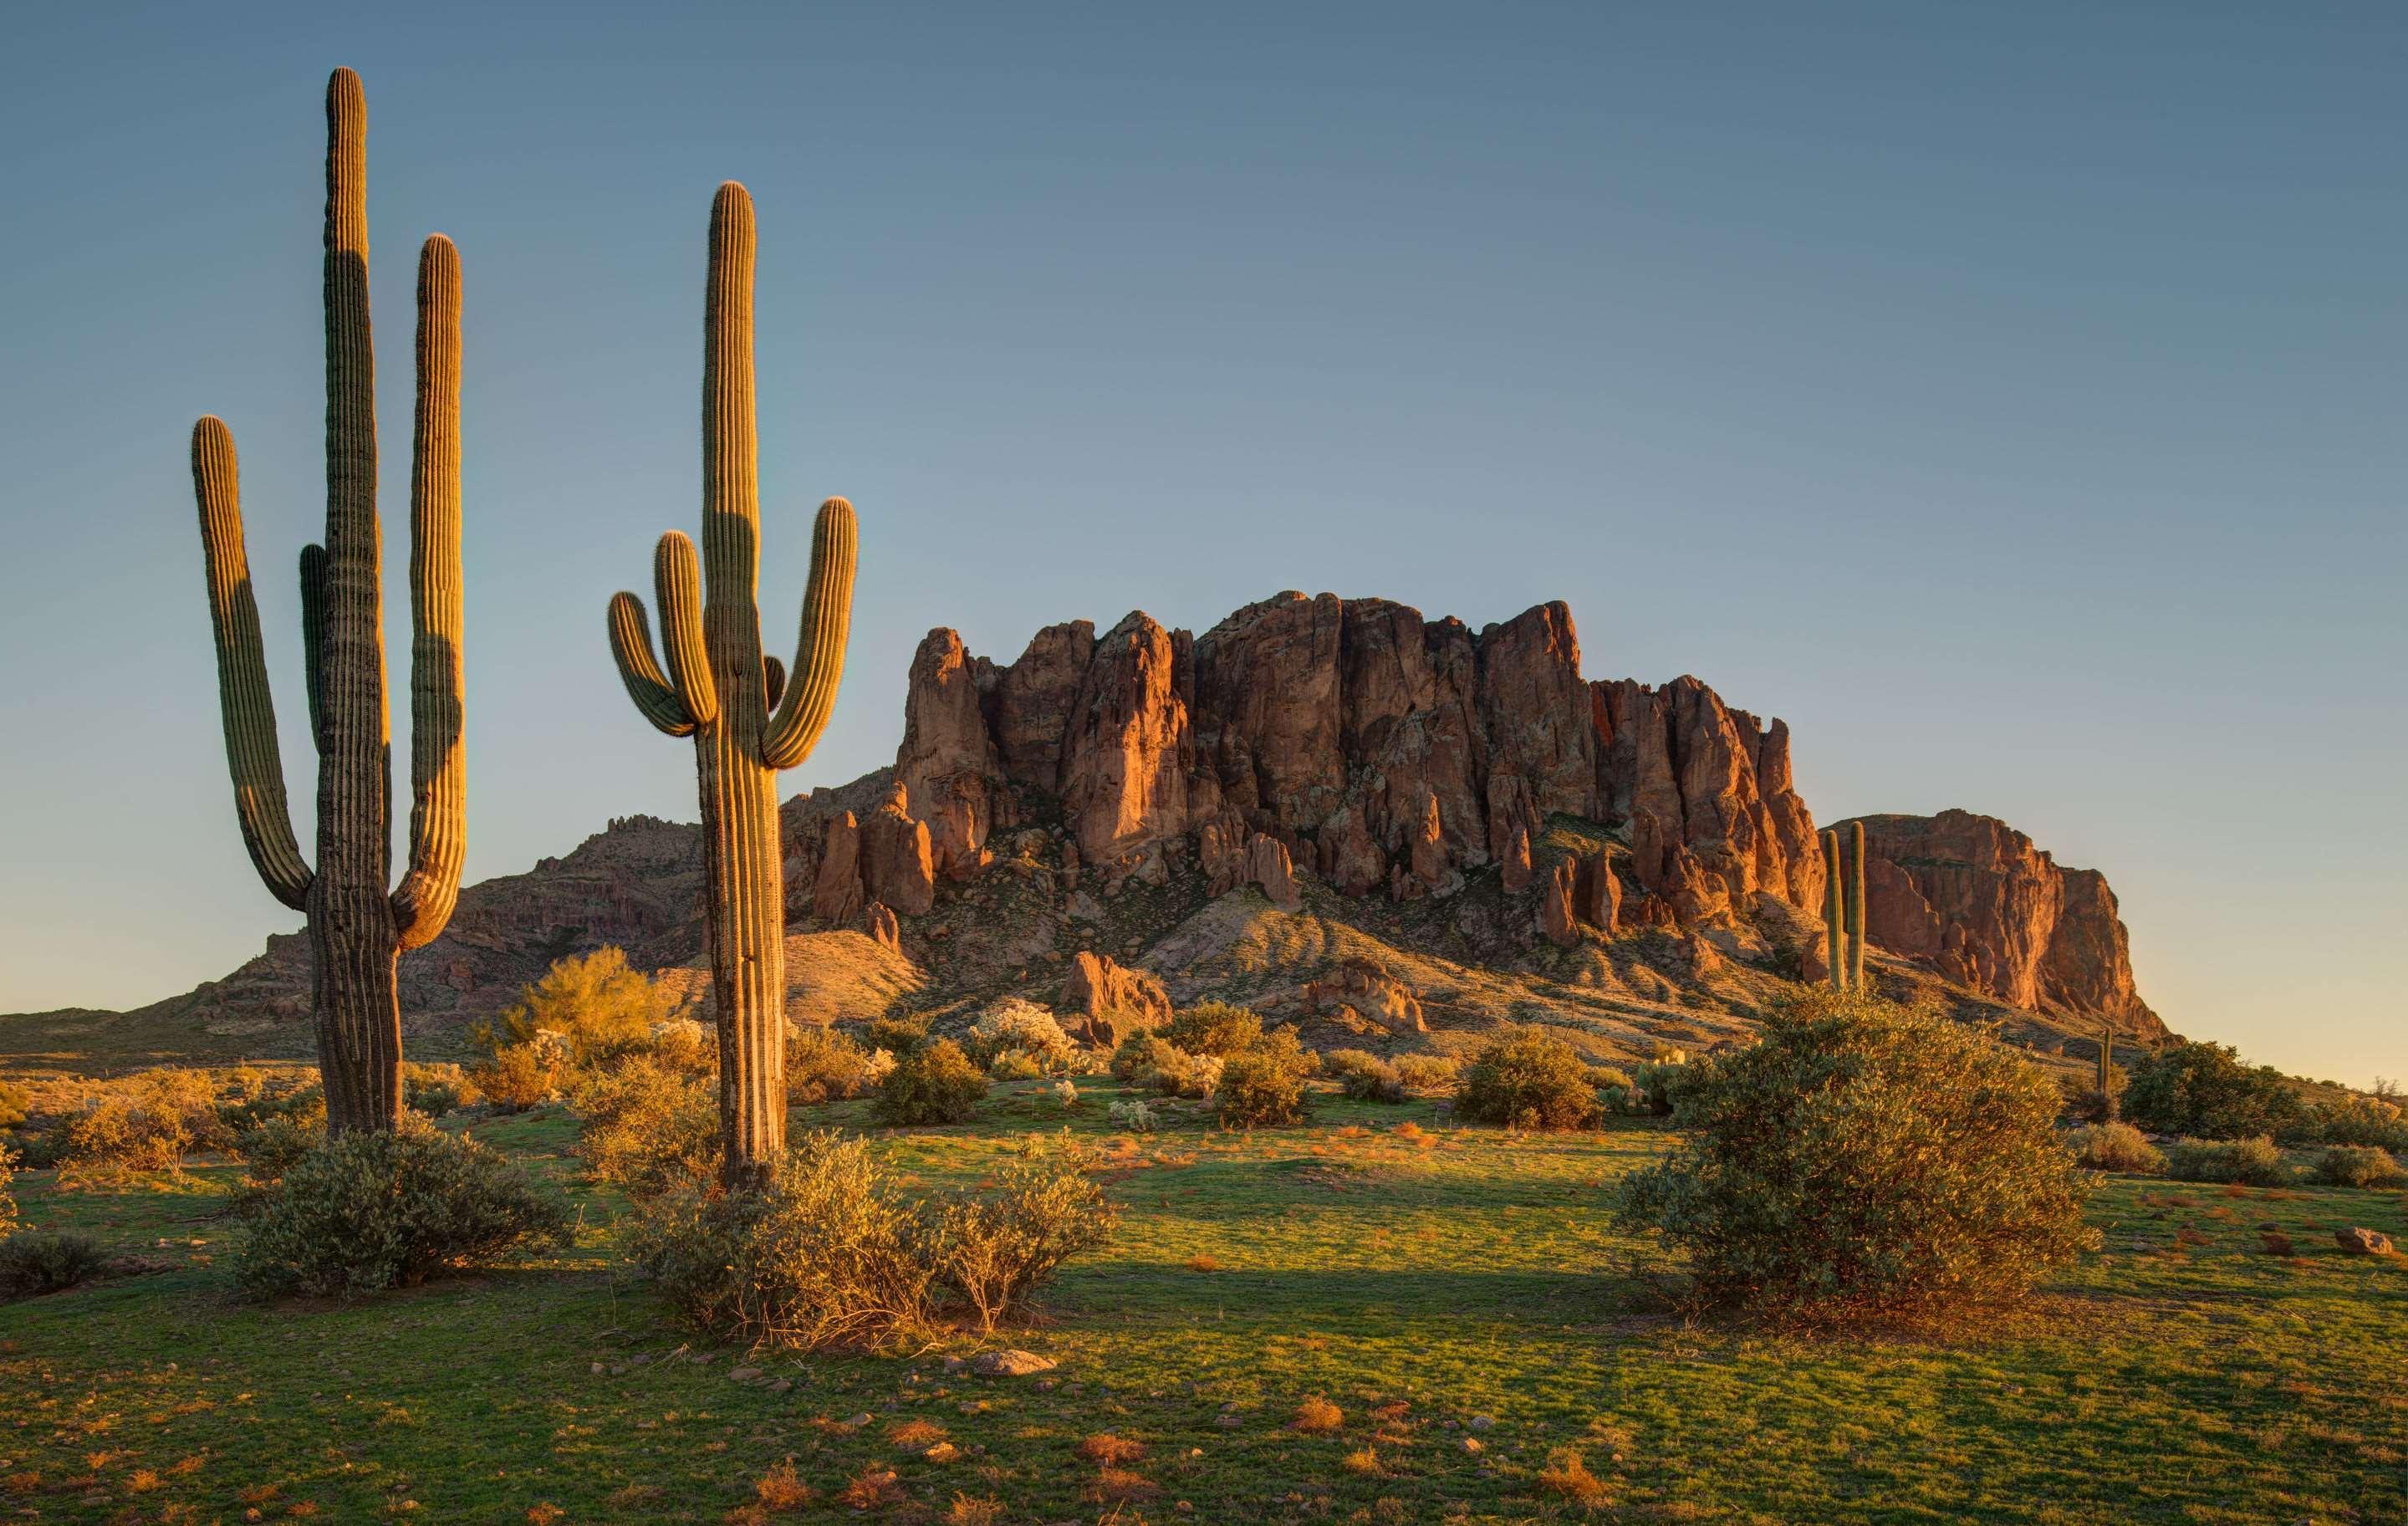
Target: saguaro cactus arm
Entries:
(438, 767)
(677, 587)
(631, 648)
(245, 701)
(810, 694)
(313, 637)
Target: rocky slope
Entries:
(1332, 808)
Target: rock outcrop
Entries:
(1103, 1002)
(1971, 897)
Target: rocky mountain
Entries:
(1334, 808)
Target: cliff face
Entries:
(1974, 897)
(1382, 751)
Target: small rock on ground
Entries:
(1010, 1363)
(2363, 1242)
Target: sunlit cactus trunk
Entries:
(746, 721)
(1856, 904)
(1835, 931)
(357, 928)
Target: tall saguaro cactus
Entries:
(747, 720)
(1843, 907)
(1857, 904)
(1835, 931)
(357, 928)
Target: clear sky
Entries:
(2009, 396)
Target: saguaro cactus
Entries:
(1856, 904)
(357, 929)
(746, 719)
(1834, 917)
(2106, 1069)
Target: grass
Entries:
(1433, 1289)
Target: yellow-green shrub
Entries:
(934, 1084)
(1524, 1078)
(2358, 1165)
(1215, 1027)
(823, 1065)
(646, 1128)
(2254, 1163)
(1365, 1075)
(2115, 1146)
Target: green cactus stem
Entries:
(357, 928)
(2106, 1068)
(1834, 925)
(1856, 904)
(747, 719)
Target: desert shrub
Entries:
(1426, 1073)
(1134, 1115)
(1863, 1159)
(1263, 1087)
(305, 1103)
(148, 1122)
(373, 1211)
(1528, 1079)
(898, 1036)
(1063, 1094)
(16, 1104)
(1650, 1090)
(51, 1262)
(2357, 1119)
(2203, 1091)
(1162, 1067)
(1013, 1065)
(599, 1007)
(992, 1248)
(2254, 1162)
(7, 1193)
(934, 1084)
(523, 1076)
(273, 1146)
(823, 1065)
(2115, 1146)
(1365, 1075)
(646, 1128)
(2357, 1165)
(1134, 1055)
(435, 1090)
(1215, 1028)
(1014, 1025)
(822, 1258)
(684, 1046)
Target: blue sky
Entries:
(2008, 397)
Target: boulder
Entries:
(2363, 1242)
(884, 931)
(1104, 1003)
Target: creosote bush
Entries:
(1263, 1085)
(2205, 1091)
(51, 1262)
(1864, 1160)
(825, 1065)
(2115, 1146)
(1365, 1075)
(148, 1122)
(994, 1247)
(1528, 1079)
(934, 1084)
(1215, 1028)
(646, 1128)
(1426, 1073)
(2253, 1162)
(2358, 1165)
(367, 1212)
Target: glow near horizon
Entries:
(2007, 401)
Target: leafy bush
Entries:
(1134, 1115)
(646, 1128)
(598, 1006)
(148, 1122)
(898, 1036)
(2358, 1165)
(1365, 1075)
(2115, 1146)
(1863, 1159)
(1156, 1063)
(523, 1076)
(1013, 1065)
(435, 1089)
(1215, 1028)
(2355, 1119)
(1264, 1085)
(33, 1264)
(273, 1146)
(993, 1249)
(2203, 1091)
(373, 1211)
(934, 1084)
(822, 1258)
(1012, 1024)
(1426, 1073)
(1528, 1079)
(2254, 1162)
(16, 1104)
(7, 1197)
(1650, 1090)
(823, 1065)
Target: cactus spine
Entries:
(357, 929)
(746, 719)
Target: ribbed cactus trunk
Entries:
(2106, 1067)
(1834, 923)
(718, 689)
(357, 929)
(1856, 904)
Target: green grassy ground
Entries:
(2175, 1377)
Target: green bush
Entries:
(823, 1065)
(1214, 1029)
(822, 1258)
(373, 1211)
(2203, 1091)
(2115, 1146)
(1365, 1076)
(1426, 1073)
(991, 1249)
(147, 1122)
(16, 1104)
(276, 1144)
(1863, 1159)
(7, 1196)
(597, 1006)
(1528, 1079)
(1013, 1026)
(1263, 1087)
(434, 1091)
(1160, 1065)
(898, 1036)
(646, 1128)
(934, 1084)
(2358, 1165)
(1650, 1090)
(2254, 1163)
(33, 1264)
(2355, 1119)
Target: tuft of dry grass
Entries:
(1568, 1476)
(1118, 1485)
(965, 1511)
(872, 1488)
(915, 1435)
(2277, 1243)
(781, 1489)
(1109, 1450)
(1202, 1263)
(1318, 1417)
(544, 1513)
(1363, 1460)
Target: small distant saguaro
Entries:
(357, 928)
(747, 719)
(1843, 907)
